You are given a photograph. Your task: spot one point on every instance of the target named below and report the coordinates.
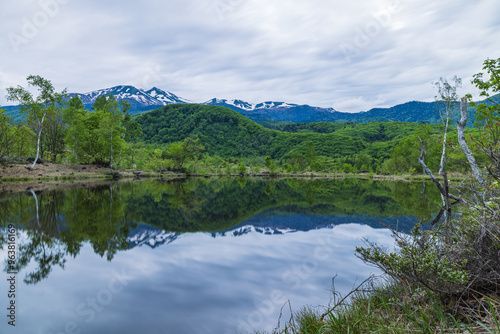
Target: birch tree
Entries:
(488, 118)
(54, 127)
(34, 108)
(74, 116)
(446, 101)
(110, 126)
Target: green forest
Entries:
(202, 139)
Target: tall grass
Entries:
(390, 309)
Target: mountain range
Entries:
(267, 112)
(268, 224)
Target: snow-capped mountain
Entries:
(271, 104)
(166, 97)
(278, 111)
(143, 100)
(249, 106)
(145, 235)
(246, 229)
(234, 103)
(150, 236)
(146, 100)
(139, 99)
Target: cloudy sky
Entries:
(349, 55)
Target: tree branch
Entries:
(433, 178)
(465, 148)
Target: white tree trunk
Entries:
(36, 205)
(433, 178)
(443, 154)
(465, 148)
(40, 128)
(111, 158)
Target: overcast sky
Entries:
(349, 55)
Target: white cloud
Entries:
(257, 50)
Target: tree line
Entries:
(209, 139)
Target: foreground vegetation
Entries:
(444, 278)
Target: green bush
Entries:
(422, 260)
(242, 169)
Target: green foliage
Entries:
(228, 134)
(24, 140)
(108, 135)
(488, 116)
(52, 138)
(456, 258)
(228, 170)
(36, 109)
(74, 116)
(242, 169)
(181, 151)
(318, 127)
(7, 133)
(310, 152)
(420, 260)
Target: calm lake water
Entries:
(201, 256)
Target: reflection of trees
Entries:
(211, 205)
(418, 197)
(102, 216)
(186, 198)
(45, 251)
(57, 224)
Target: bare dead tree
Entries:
(447, 95)
(463, 144)
(443, 189)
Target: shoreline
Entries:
(48, 174)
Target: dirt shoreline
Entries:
(18, 177)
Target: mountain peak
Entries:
(139, 99)
(240, 104)
(165, 97)
(153, 98)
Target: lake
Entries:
(199, 256)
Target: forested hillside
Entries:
(225, 132)
(389, 146)
(204, 139)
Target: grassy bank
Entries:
(60, 172)
(392, 308)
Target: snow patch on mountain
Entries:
(251, 229)
(151, 237)
(270, 104)
(235, 103)
(151, 97)
(144, 100)
(249, 106)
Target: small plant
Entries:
(228, 169)
(420, 261)
(242, 169)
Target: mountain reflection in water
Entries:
(222, 235)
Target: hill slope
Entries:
(227, 133)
